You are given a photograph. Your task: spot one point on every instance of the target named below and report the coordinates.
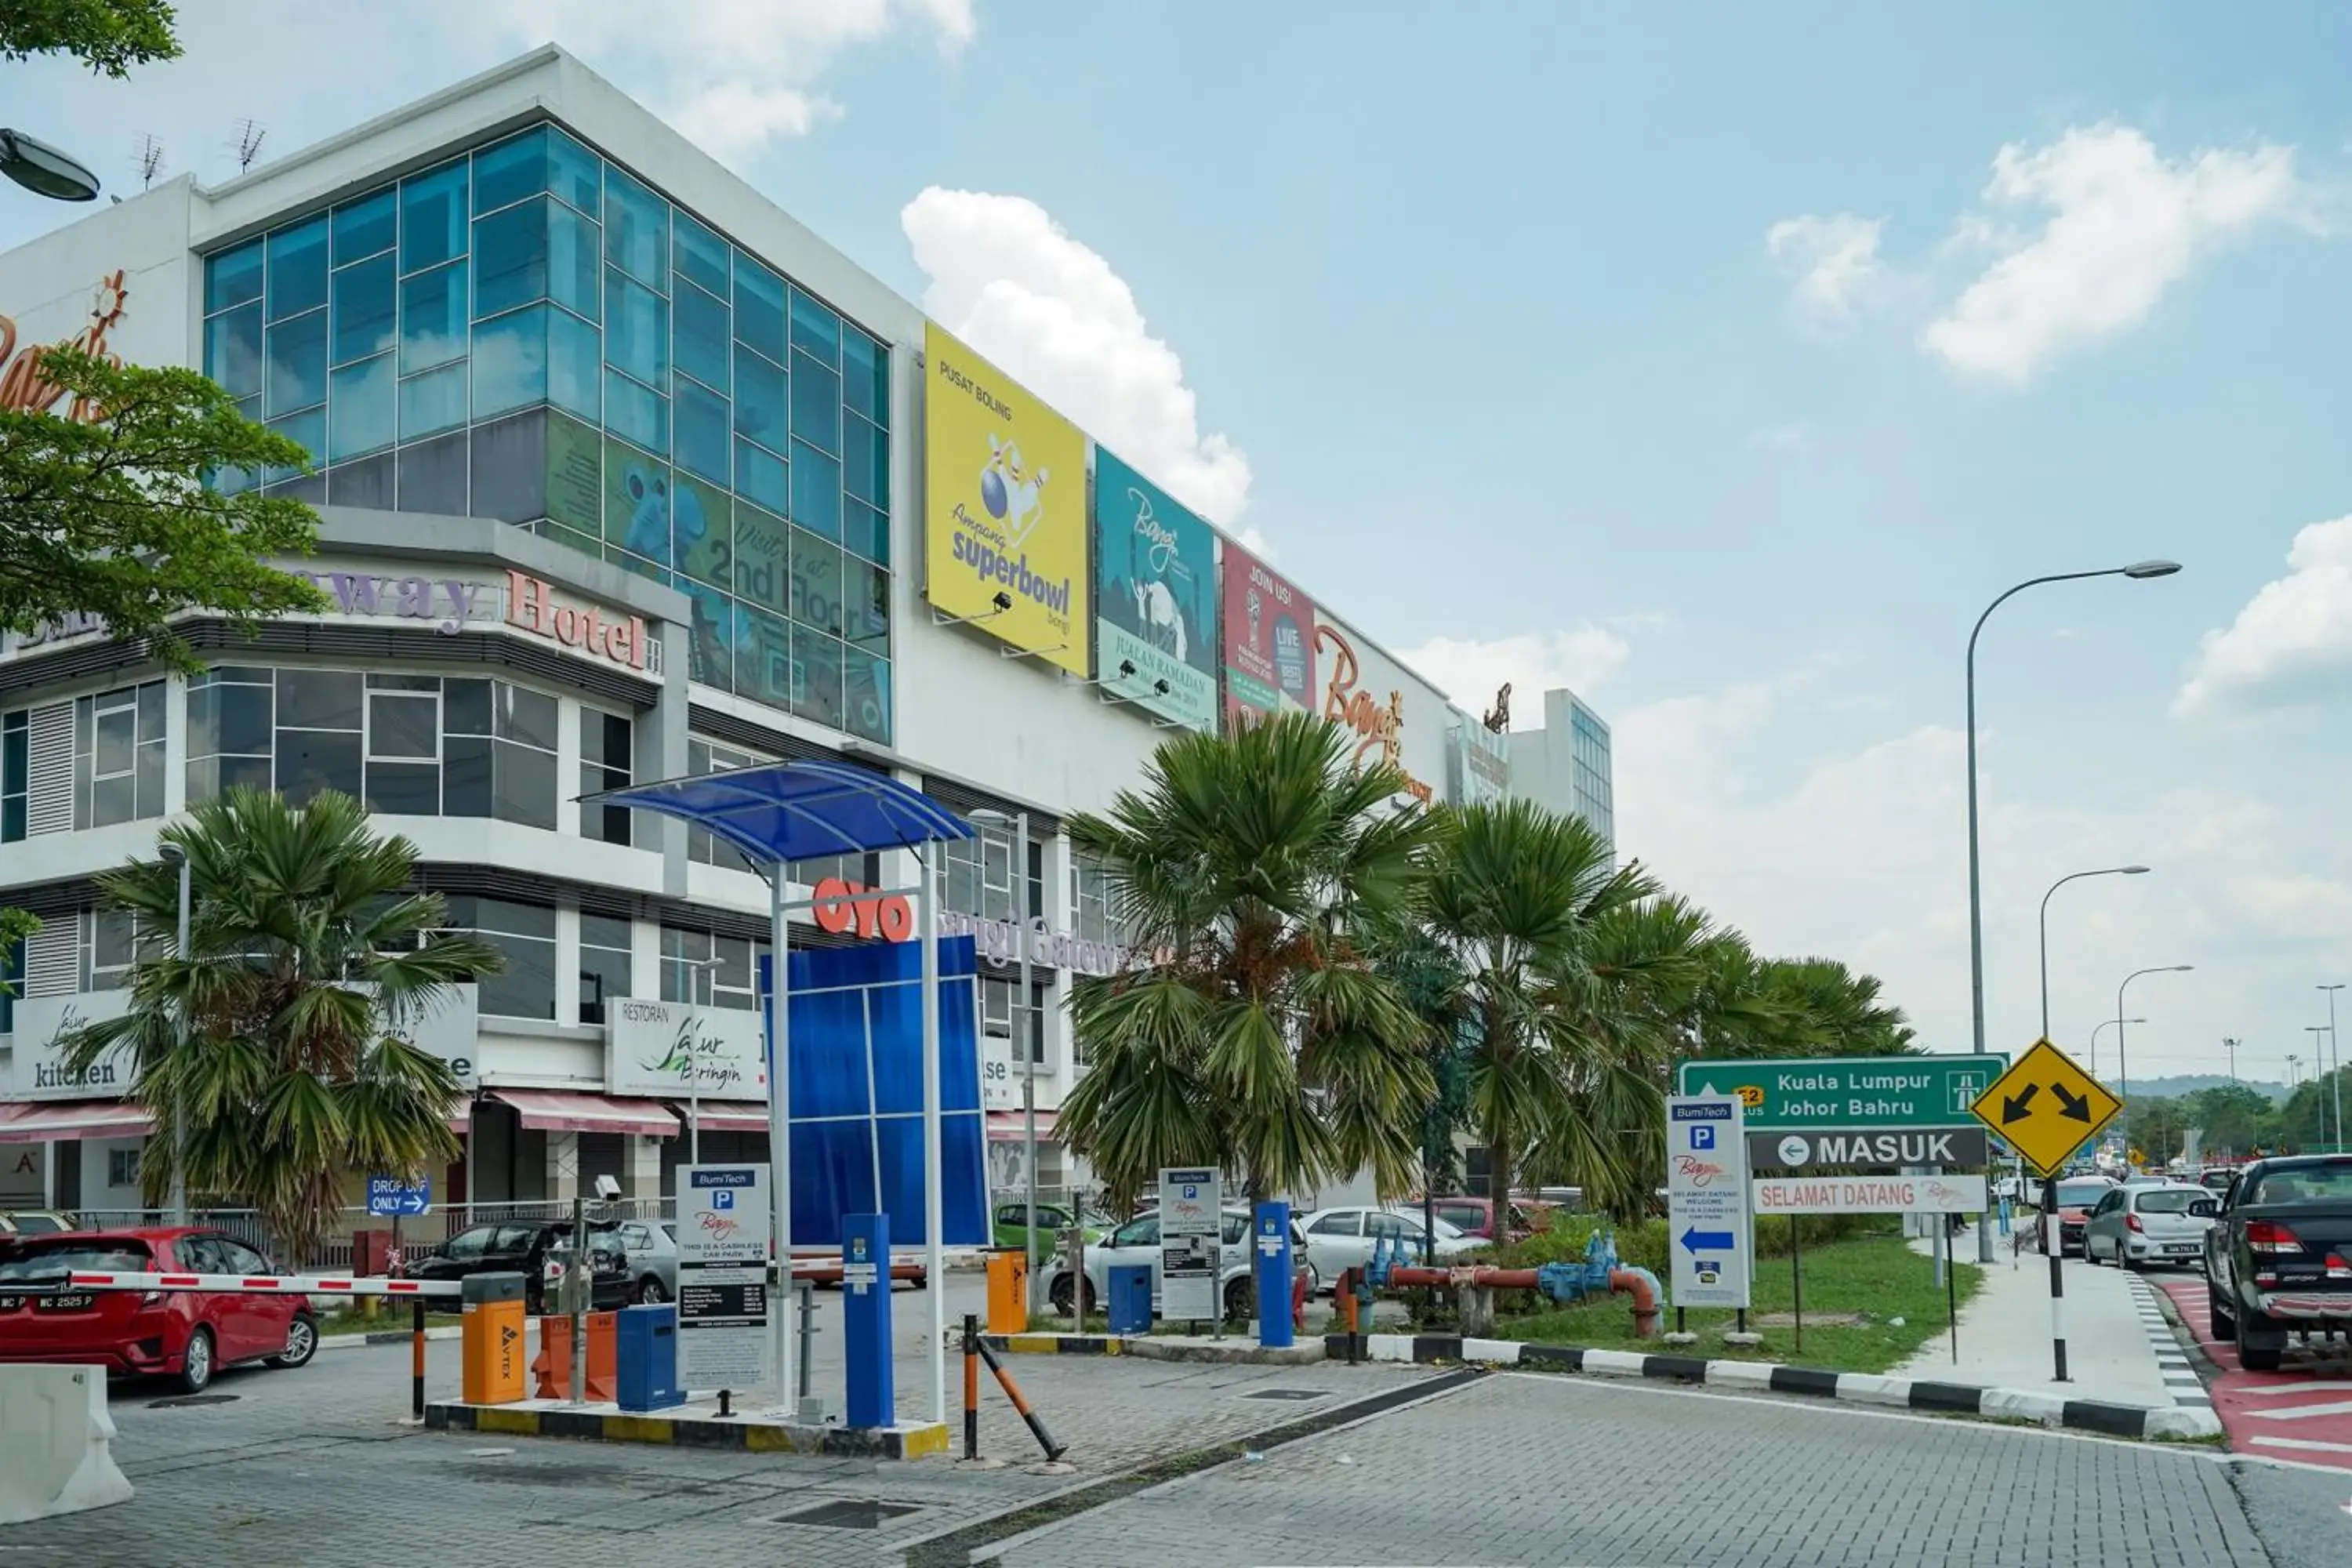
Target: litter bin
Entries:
(1129, 1311)
(647, 1359)
(490, 1352)
(1008, 1293)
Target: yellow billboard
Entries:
(1005, 526)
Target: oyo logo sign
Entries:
(532, 607)
(843, 906)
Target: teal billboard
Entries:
(1156, 598)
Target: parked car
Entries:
(32, 1222)
(1475, 1216)
(1338, 1239)
(1009, 1226)
(2217, 1180)
(2077, 1196)
(185, 1335)
(2146, 1223)
(2278, 1259)
(649, 1252)
(512, 1246)
(1138, 1241)
(613, 1286)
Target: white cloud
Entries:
(1008, 280)
(2292, 642)
(1468, 671)
(1833, 259)
(2124, 223)
(1793, 437)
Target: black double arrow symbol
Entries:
(2017, 1106)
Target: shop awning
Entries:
(555, 1111)
(24, 1122)
(1013, 1126)
(726, 1118)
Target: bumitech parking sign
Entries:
(1707, 1234)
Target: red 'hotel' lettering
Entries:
(532, 606)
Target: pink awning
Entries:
(1013, 1126)
(555, 1111)
(24, 1122)
(735, 1119)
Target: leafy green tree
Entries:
(108, 35)
(1266, 1043)
(109, 513)
(307, 957)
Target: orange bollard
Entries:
(553, 1365)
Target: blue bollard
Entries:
(866, 1320)
(1270, 1259)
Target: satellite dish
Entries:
(43, 170)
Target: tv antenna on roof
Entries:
(249, 134)
(150, 160)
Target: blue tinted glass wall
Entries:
(530, 332)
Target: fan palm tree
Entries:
(1515, 898)
(1266, 1043)
(307, 959)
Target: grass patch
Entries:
(1877, 1275)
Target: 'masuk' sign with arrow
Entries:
(2046, 1107)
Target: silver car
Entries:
(2151, 1223)
(652, 1253)
(1138, 1241)
(1338, 1239)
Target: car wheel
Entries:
(301, 1342)
(650, 1291)
(1240, 1298)
(2260, 1358)
(195, 1373)
(2224, 1327)
(1058, 1293)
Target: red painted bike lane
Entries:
(2304, 1411)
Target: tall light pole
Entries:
(2103, 1028)
(1024, 1042)
(2335, 1066)
(2141, 569)
(2318, 1067)
(43, 170)
(2070, 876)
(2123, 1055)
(174, 855)
(2231, 1046)
(2291, 1060)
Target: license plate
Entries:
(81, 1303)
(2180, 1251)
(11, 1303)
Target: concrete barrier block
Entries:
(57, 1443)
(1866, 1388)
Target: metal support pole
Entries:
(579, 1284)
(1797, 1281)
(971, 1385)
(804, 1291)
(1012, 1390)
(2052, 1245)
(934, 1204)
(780, 1147)
(1952, 1294)
(1025, 1025)
(2335, 1067)
(179, 1117)
(417, 1359)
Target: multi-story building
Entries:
(1565, 763)
(624, 474)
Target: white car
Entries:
(1338, 1239)
(1138, 1241)
(2150, 1221)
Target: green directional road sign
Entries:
(1847, 1092)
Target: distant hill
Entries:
(2190, 1083)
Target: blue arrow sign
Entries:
(1707, 1241)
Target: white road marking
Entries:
(2303, 1411)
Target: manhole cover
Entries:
(1286, 1393)
(850, 1513)
(183, 1400)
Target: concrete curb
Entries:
(534, 1420)
(1854, 1387)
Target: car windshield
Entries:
(2170, 1200)
(2081, 1195)
(55, 1260)
(2330, 1182)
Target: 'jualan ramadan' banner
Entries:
(1156, 605)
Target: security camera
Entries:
(1127, 669)
(1003, 601)
(1160, 688)
(607, 1188)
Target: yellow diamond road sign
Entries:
(2046, 1107)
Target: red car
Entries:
(185, 1335)
(1475, 1216)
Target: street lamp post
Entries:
(2335, 1066)
(2070, 876)
(44, 169)
(1025, 1043)
(2102, 1029)
(2138, 570)
(2319, 1068)
(2231, 1046)
(2292, 1059)
(2123, 1053)
(174, 855)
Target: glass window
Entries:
(574, 173)
(525, 933)
(865, 691)
(360, 408)
(1090, 917)
(509, 463)
(233, 351)
(367, 483)
(297, 363)
(700, 969)
(758, 307)
(575, 353)
(760, 408)
(702, 337)
(606, 754)
(118, 757)
(522, 774)
(866, 606)
(233, 276)
(297, 268)
(816, 492)
(365, 226)
(816, 331)
(636, 338)
(866, 530)
(707, 757)
(433, 402)
(816, 403)
(761, 557)
(231, 723)
(310, 429)
(431, 477)
(510, 171)
(16, 779)
(366, 310)
(433, 318)
(763, 659)
(511, 258)
(761, 475)
(864, 461)
(111, 946)
(604, 965)
(864, 376)
(433, 217)
(510, 362)
(318, 699)
(817, 676)
(816, 582)
(703, 442)
(576, 267)
(637, 229)
(701, 255)
(636, 412)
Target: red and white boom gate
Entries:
(417, 1291)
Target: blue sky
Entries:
(1486, 330)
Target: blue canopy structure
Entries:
(783, 812)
